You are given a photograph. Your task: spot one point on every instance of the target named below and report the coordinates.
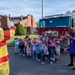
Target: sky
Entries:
(34, 7)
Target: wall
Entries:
(23, 22)
(30, 22)
(34, 23)
(4, 22)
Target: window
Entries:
(25, 25)
(42, 24)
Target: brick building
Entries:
(4, 21)
(27, 21)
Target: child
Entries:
(33, 49)
(38, 50)
(16, 41)
(25, 46)
(21, 46)
(48, 45)
(45, 53)
(57, 50)
(28, 50)
(52, 50)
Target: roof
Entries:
(54, 16)
(4, 16)
(18, 19)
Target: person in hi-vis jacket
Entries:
(4, 58)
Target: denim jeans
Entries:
(33, 54)
(43, 57)
(38, 55)
(52, 54)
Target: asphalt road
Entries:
(20, 65)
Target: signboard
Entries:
(51, 34)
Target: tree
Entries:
(68, 12)
(20, 30)
(37, 23)
(73, 11)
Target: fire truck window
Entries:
(72, 23)
(42, 24)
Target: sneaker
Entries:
(23, 54)
(53, 59)
(33, 58)
(20, 54)
(74, 68)
(51, 62)
(43, 63)
(56, 60)
(70, 65)
(38, 59)
(15, 53)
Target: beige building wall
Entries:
(24, 22)
(34, 23)
(29, 22)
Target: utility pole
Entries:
(42, 9)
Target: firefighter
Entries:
(4, 58)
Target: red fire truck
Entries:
(60, 23)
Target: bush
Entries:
(20, 30)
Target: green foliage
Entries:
(73, 11)
(37, 24)
(20, 30)
(68, 12)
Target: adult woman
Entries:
(71, 36)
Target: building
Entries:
(4, 21)
(27, 21)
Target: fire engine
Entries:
(60, 23)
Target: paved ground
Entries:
(20, 65)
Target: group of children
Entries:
(38, 48)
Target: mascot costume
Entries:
(4, 58)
